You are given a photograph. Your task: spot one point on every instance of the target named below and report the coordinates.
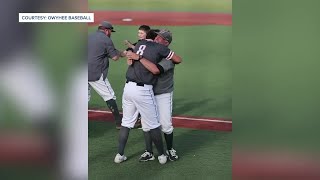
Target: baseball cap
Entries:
(166, 34)
(106, 25)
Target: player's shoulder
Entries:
(99, 36)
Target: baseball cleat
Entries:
(172, 154)
(162, 159)
(146, 156)
(119, 158)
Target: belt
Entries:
(138, 84)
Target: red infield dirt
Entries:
(218, 124)
(162, 18)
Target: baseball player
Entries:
(142, 34)
(143, 31)
(100, 49)
(138, 95)
(163, 91)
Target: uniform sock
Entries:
(148, 141)
(123, 137)
(157, 139)
(169, 140)
(112, 105)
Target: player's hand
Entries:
(123, 53)
(132, 55)
(129, 61)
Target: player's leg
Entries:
(130, 114)
(157, 140)
(164, 102)
(147, 107)
(104, 89)
(112, 105)
(152, 135)
(123, 137)
(148, 153)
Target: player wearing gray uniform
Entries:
(163, 91)
(138, 96)
(100, 49)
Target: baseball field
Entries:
(202, 105)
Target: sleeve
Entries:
(111, 50)
(165, 52)
(166, 65)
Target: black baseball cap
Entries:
(166, 34)
(106, 25)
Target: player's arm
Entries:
(160, 68)
(164, 65)
(129, 44)
(153, 68)
(131, 47)
(176, 59)
(119, 55)
(170, 55)
(113, 53)
(150, 66)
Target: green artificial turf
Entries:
(202, 155)
(218, 6)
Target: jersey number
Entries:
(141, 49)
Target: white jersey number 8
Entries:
(141, 49)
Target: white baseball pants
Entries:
(103, 88)
(139, 99)
(164, 103)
